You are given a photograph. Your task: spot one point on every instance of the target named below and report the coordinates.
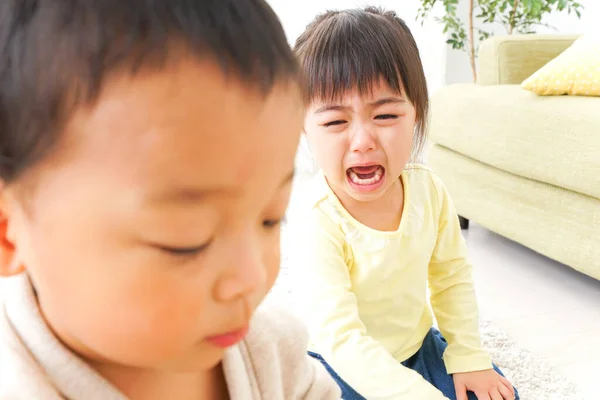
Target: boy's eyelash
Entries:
(185, 251)
(386, 116)
(192, 251)
(272, 223)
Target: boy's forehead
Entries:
(217, 172)
(173, 194)
(188, 131)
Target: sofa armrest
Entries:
(509, 60)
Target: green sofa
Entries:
(524, 166)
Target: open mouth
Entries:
(366, 178)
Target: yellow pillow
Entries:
(575, 72)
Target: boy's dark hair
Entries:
(56, 55)
(353, 50)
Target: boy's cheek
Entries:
(132, 323)
(273, 267)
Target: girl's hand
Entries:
(487, 385)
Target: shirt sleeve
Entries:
(453, 295)
(329, 308)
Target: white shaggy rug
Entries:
(534, 379)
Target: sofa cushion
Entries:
(555, 140)
(575, 72)
(560, 224)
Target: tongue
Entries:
(366, 170)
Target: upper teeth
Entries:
(354, 177)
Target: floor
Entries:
(547, 308)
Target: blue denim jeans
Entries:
(427, 361)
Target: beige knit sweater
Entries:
(271, 364)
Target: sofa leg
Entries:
(464, 223)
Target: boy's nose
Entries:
(245, 273)
(362, 140)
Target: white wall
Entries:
(570, 24)
(442, 64)
(457, 62)
(295, 15)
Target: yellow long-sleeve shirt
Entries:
(364, 295)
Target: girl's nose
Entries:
(363, 139)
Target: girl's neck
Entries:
(161, 385)
(383, 213)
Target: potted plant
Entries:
(516, 16)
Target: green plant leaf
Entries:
(522, 17)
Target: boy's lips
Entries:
(228, 339)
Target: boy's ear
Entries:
(9, 265)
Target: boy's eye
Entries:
(333, 123)
(185, 251)
(386, 116)
(271, 223)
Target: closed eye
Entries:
(185, 251)
(386, 116)
(333, 123)
(272, 223)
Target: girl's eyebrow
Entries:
(330, 107)
(388, 100)
(376, 103)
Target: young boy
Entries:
(146, 156)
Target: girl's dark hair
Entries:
(353, 50)
(56, 54)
